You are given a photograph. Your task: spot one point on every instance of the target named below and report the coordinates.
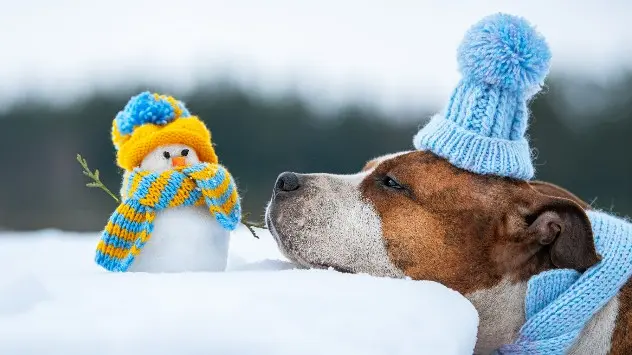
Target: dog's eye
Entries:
(184, 152)
(166, 155)
(391, 183)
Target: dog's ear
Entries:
(563, 230)
(553, 190)
(370, 165)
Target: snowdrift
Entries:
(55, 300)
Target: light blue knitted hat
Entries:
(504, 62)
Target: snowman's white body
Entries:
(185, 238)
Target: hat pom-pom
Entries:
(504, 51)
(144, 108)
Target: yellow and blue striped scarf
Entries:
(131, 224)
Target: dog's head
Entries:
(414, 214)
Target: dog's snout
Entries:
(287, 182)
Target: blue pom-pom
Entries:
(504, 51)
(144, 108)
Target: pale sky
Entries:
(396, 54)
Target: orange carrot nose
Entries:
(178, 162)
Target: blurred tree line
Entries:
(582, 132)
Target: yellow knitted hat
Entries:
(152, 120)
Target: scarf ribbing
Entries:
(131, 224)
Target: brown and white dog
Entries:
(415, 215)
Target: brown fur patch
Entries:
(464, 230)
(556, 191)
(622, 336)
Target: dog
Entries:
(413, 214)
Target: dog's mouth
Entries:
(288, 252)
(282, 242)
(341, 269)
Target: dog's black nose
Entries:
(287, 182)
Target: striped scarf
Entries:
(131, 224)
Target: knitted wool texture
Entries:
(131, 224)
(504, 62)
(151, 120)
(560, 302)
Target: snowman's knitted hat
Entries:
(504, 62)
(151, 120)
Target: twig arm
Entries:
(95, 177)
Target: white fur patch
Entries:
(501, 315)
(326, 223)
(596, 337)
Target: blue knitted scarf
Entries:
(560, 302)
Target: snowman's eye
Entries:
(185, 152)
(166, 155)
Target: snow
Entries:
(55, 300)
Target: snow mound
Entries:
(56, 301)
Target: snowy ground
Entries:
(55, 300)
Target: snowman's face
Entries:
(169, 157)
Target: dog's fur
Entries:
(414, 214)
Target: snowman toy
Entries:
(178, 204)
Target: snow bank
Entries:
(54, 300)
